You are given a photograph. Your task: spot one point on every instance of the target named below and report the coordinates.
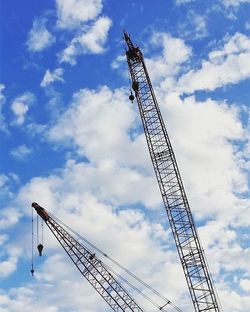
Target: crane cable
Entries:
(42, 231)
(133, 287)
(32, 244)
(37, 229)
(168, 302)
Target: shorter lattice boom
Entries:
(91, 267)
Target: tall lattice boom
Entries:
(171, 187)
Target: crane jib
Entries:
(180, 218)
(90, 266)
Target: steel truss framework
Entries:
(171, 186)
(91, 267)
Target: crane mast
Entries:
(90, 267)
(171, 187)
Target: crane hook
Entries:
(32, 271)
(131, 97)
(40, 249)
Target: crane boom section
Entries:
(90, 267)
(171, 187)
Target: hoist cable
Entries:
(133, 287)
(32, 243)
(42, 231)
(37, 229)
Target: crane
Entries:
(183, 228)
(90, 266)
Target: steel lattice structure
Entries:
(90, 267)
(171, 187)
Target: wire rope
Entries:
(37, 230)
(32, 243)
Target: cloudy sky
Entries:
(73, 142)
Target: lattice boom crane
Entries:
(90, 267)
(171, 187)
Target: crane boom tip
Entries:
(41, 211)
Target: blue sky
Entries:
(73, 142)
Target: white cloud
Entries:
(2, 101)
(234, 3)
(227, 65)
(39, 38)
(8, 217)
(247, 25)
(20, 106)
(106, 116)
(120, 59)
(2, 97)
(174, 50)
(19, 109)
(3, 180)
(8, 266)
(169, 62)
(36, 129)
(203, 137)
(92, 40)
(3, 239)
(194, 28)
(69, 54)
(245, 284)
(183, 1)
(6, 181)
(50, 77)
(74, 13)
(96, 37)
(21, 152)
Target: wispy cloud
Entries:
(234, 3)
(193, 27)
(183, 1)
(8, 217)
(247, 25)
(39, 38)
(21, 105)
(21, 152)
(92, 40)
(11, 253)
(3, 180)
(53, 76)
(3, 126)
